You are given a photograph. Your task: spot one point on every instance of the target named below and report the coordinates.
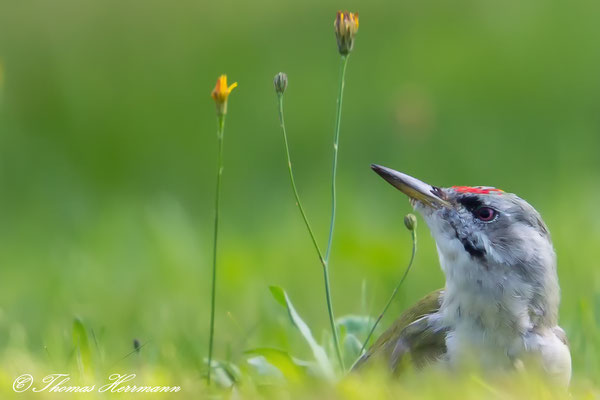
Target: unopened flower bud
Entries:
(280, 82)
(220, 94)
(410, 221)
(346, 25)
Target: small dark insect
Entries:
(136, 345)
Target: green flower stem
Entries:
(220, 130)
(311, 233)
(336, 138)
(412, 257)
(336, 339)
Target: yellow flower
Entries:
(221, 92)
(346, 26)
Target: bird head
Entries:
(487, 239)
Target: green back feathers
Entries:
(410, 341)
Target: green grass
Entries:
(93, 275)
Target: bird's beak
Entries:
(412, 187)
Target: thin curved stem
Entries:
(293, 182)
(406, 271)
(311, 233)
(220, 130)
(336, 139)
(336, 339)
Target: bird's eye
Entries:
(485, 214)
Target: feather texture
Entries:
(412, 341)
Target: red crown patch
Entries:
(476, 189)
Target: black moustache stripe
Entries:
(476, 252)
(472, 250)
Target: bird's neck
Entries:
(489, 308)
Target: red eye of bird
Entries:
(485, 214)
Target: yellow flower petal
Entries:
(221, 92)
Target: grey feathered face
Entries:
(492, 226)
(484, 232)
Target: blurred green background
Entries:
(108, 161)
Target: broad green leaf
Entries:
(282, 361)
(278, 294)
(318, 352)
(266, 370)
(358, 325)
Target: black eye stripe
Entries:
(470, 202)
(477, 207)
